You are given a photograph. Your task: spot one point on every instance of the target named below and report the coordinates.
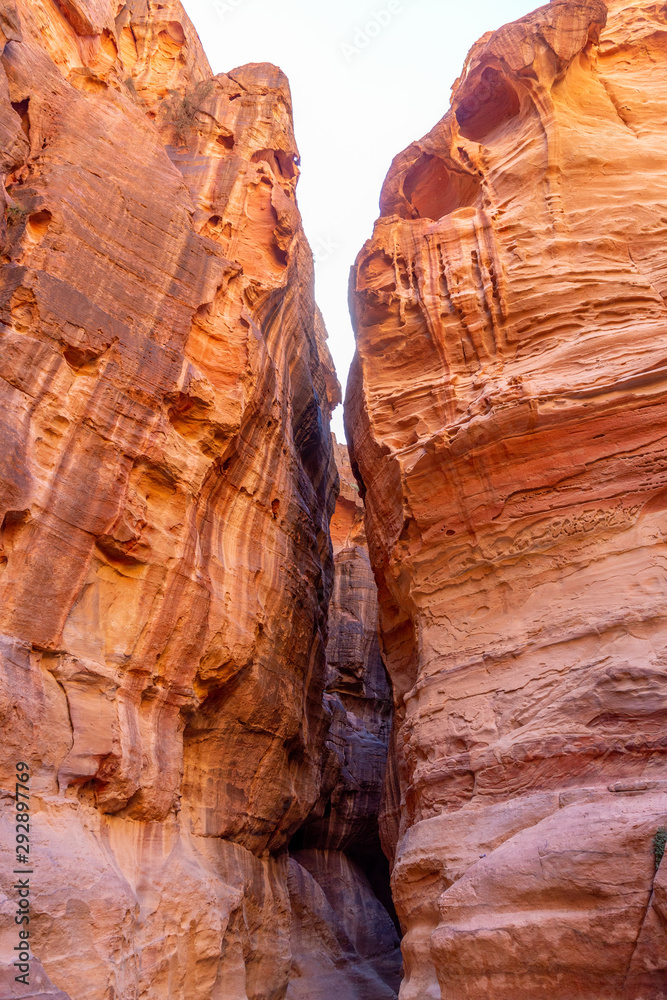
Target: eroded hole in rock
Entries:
(491, 103)
(13, 524)
(282, 164)
(176, 32)
(81, 359)
(117, 551)
(38, 224)
(433, 189)
(22, 110)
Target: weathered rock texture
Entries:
(166, 480)
(508, 412)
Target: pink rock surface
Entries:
(507, 416)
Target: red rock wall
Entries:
(166, 480)
(507, 411)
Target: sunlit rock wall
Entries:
(507, 412)
(166, 480)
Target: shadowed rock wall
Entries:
(507, 414)
(339, 845)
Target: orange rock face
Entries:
(166, 479)
(507, 410)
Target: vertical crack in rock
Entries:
(167, 478)
(340, 875)
(507, 412)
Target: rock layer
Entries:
(166, 479)
(507, 411)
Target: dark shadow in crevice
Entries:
(375, 866)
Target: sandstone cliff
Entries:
(507, 411)
(166, 479)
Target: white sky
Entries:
(368, 77)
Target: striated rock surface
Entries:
(167, 479)
(507, 411)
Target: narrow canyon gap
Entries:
(205, 771)
(222, 776)
(507, 413)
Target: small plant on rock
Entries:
(180, 112)
(659, 844)
(16, 214)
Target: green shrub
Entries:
(659, 844)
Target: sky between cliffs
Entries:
(368, 77)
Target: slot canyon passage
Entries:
(261, 748)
